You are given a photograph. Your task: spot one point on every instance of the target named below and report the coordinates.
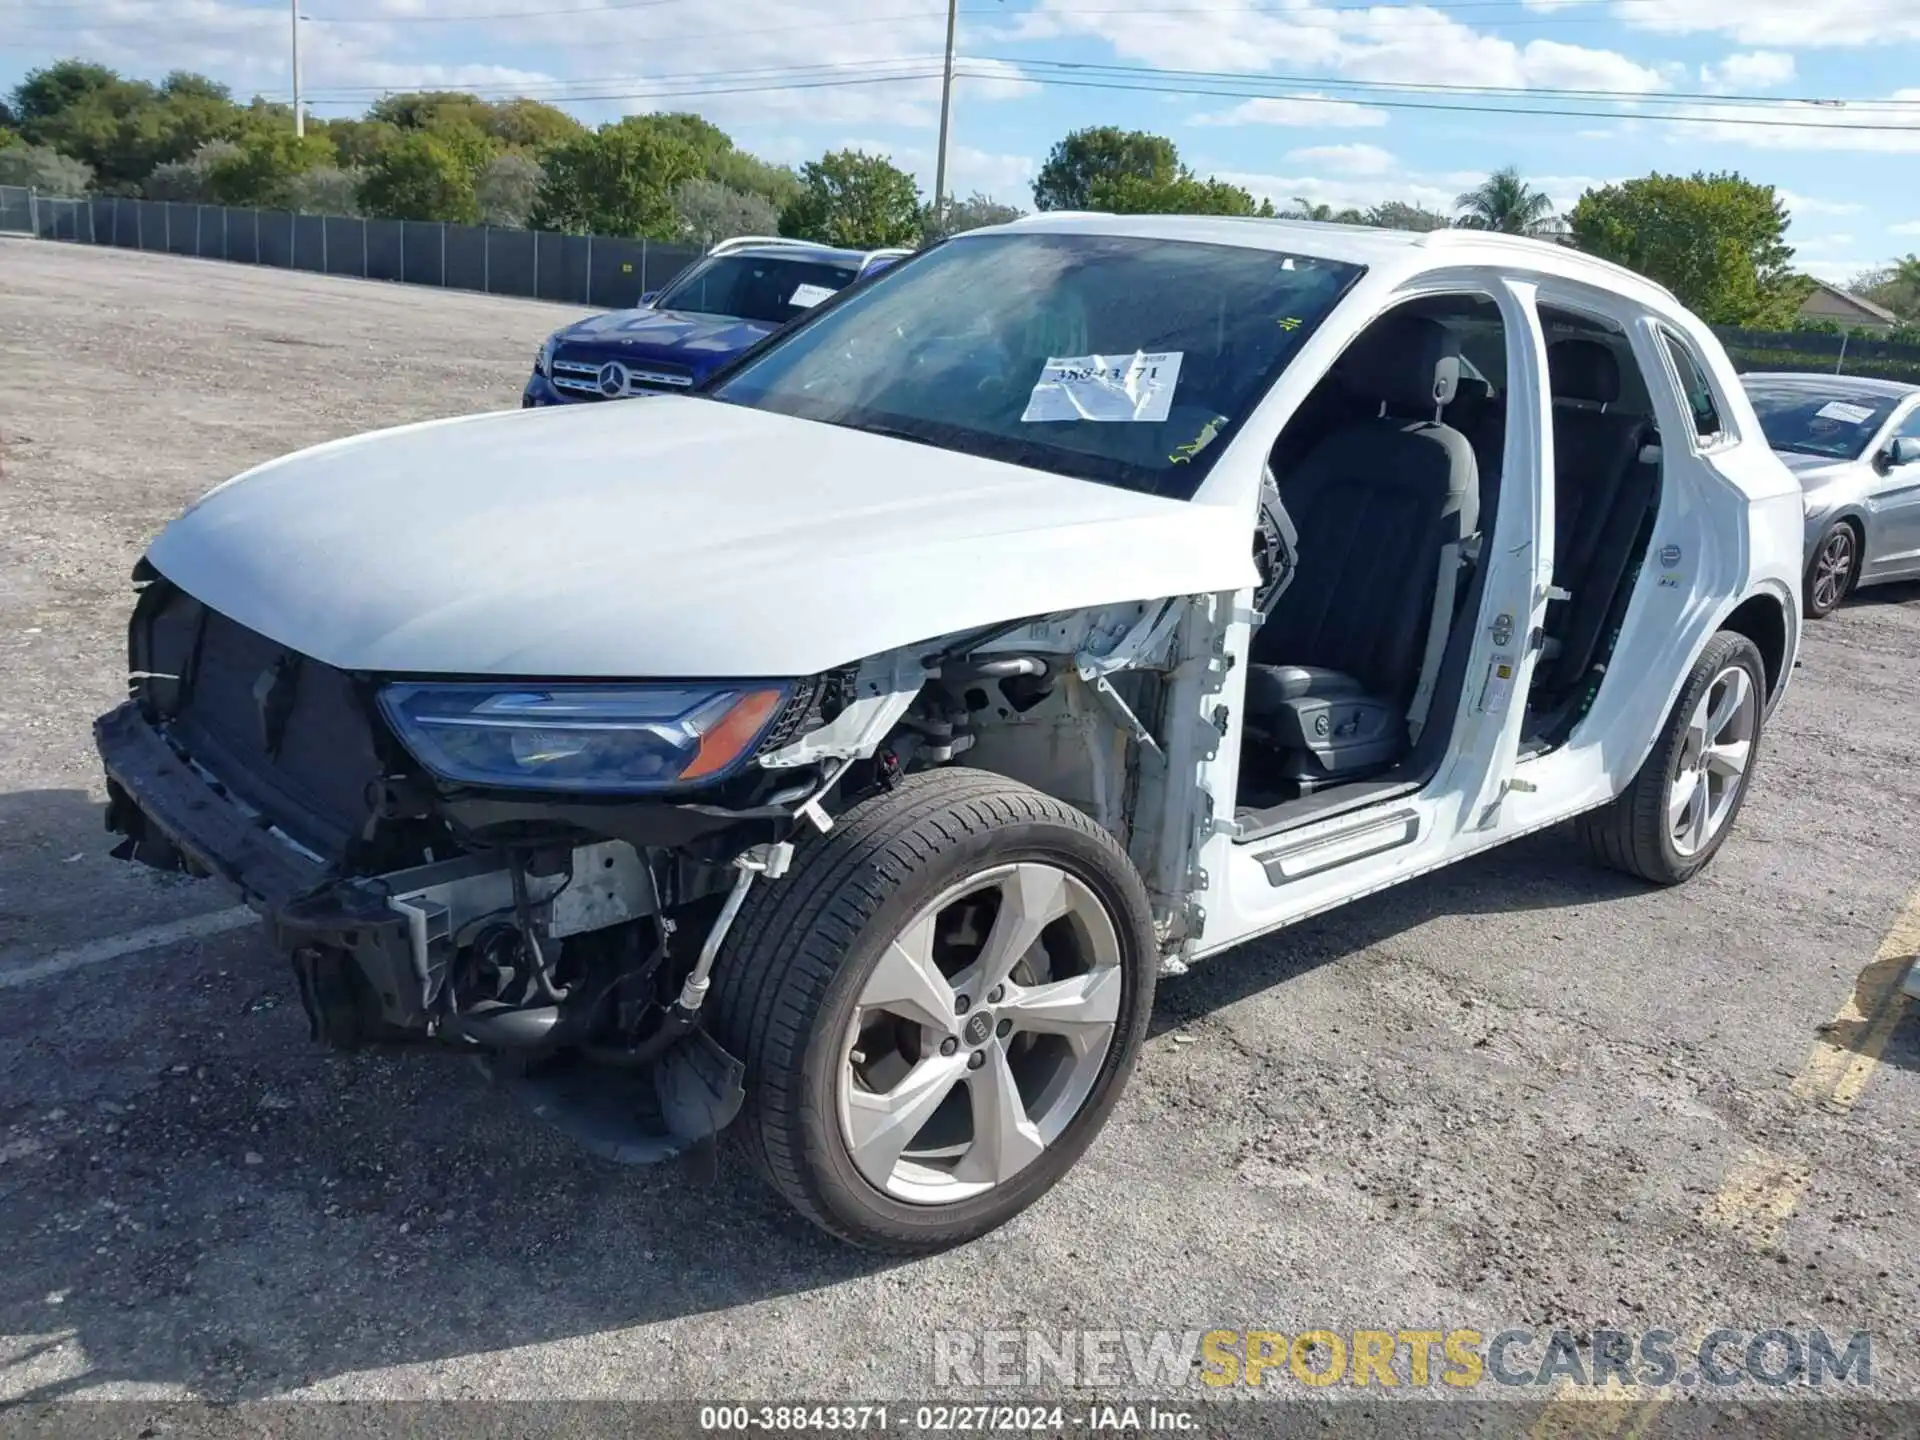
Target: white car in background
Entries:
(840, 753)
(1854, 445)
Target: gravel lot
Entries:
(1522, 1092)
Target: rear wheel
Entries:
(937, 1007)
(1669, 822)
(1833, 569)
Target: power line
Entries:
(770, 73)
(1331, 82)
(1390, 104)
(758, 89)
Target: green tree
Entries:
(710, 211)
(1896, 286)
(357, 143)
(737, 170)
(528, 124)
(1180, 194)
(1399, 215)
(325, 190)
(851, 198)
(619, 180)
(123, 128)
(420, 177)
(261, 166)
(507, 187)
(189, 179)
(1104, 152)
(1717, 241)
(58, 87)
(45, 169)
(972, 213)
(1507, 203)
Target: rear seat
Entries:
(1604, 488)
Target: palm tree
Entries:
(1505, 202)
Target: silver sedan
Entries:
(1854, 443)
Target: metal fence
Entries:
(604, 272)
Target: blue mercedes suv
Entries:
(738, 292)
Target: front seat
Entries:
(1381, 507)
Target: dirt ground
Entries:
(1522, 1092)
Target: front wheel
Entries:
(1676, 813)
(1833, 569)
(937, 1008)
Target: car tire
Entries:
(1833, 570)
(1678, 810)
(795, 1001)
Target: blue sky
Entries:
(1333, 100)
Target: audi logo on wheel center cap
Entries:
(979, 1028)
(613, 378)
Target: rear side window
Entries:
(1694, 389)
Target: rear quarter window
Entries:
(1696, 391)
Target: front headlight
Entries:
(581, 737)
(543, 357)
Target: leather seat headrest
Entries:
(1409, 362)
(1583, 370)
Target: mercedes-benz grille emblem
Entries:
(613, 379)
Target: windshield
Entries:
(1111, 358)
(768, 288)
(1834, 421)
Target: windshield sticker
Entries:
(1841, 410)
(1137, 387)
(1183, 453)
(805, 297)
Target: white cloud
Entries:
(1004, 177)
(1416, 44)
(1906, 227)
(1823, 242)
(614, 56)
(1860, 125)
(1797, 23)
(1434, 190)
(1350, 159)
(1307, 109)
(1754, 70)
(1834, 272)
(1800, 204)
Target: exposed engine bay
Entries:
(568, 938)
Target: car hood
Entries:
(1815, 471)
(665, 332)
(682, 538)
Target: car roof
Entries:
(810, 254)
(1367, 245)
(1829, 384)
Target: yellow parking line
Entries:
(1850, 1045)
(1757, 1197)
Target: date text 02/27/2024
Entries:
(939, 1419)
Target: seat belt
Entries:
(1453, 559)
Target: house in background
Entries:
(1830, 302)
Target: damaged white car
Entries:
(839, 755)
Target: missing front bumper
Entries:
(373, 957)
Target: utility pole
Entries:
(946, 118)
(299, 120)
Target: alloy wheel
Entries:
(1833, 568)
(980, 1034)
(1712, 765)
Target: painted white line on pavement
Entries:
(115, 947)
